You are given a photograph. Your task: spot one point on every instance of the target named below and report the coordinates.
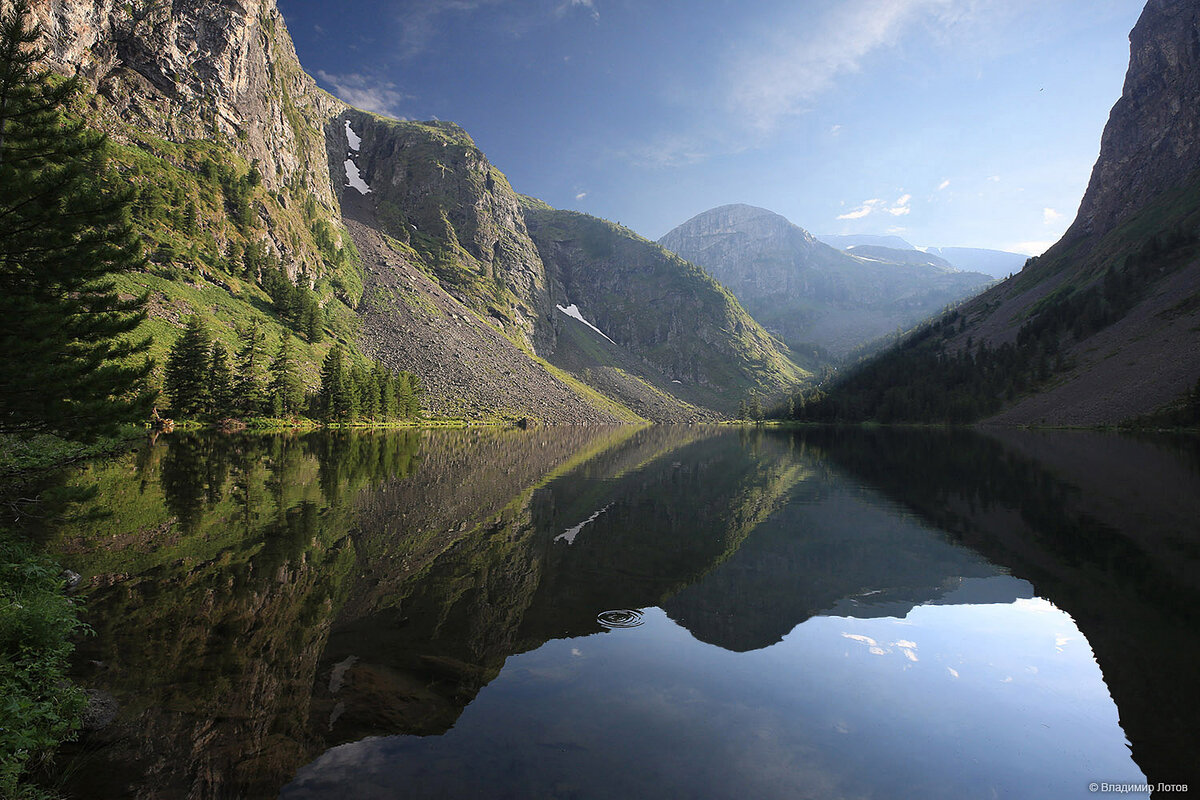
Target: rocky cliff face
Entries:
(434, 190)
(808, 292)
(1152, 140)
(198, 70)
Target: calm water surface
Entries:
(619, 612)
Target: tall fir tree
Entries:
(251, 368)
(68, 362)
(333, 384)
(286, 390)
(221, 388)
(189, 366)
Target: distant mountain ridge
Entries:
(997, 263)
(808, 292)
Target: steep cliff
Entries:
(808, 292)
(1104, 327)
(1152, 140)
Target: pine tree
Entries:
(221, 389)
(188, 369)
(286, 390)
(67, 363)
(755, 410)
(251, 356)
(334, 398)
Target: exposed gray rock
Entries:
(1152, 140)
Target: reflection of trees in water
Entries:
(211, 645)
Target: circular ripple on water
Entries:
(622, 618)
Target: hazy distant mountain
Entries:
(915, 258)
(808, 292)
(997, 263)
(844, 241)
(1105, 326)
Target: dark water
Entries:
(660, 613)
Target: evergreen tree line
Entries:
(204, 381)
(295, 304)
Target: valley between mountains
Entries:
(423, 257)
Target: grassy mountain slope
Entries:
(661, 310)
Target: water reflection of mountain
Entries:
(260, 599)
(650, 514)
(835, 548)
(1104, 526)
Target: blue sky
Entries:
(947, 122)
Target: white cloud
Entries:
(902, 206)
(781, 76)
(587, 6)
(581, 195)
(835, 130)
(943, 184)
(864, 210)
(367, 93)
(1050, 216)
(899, 208)
(994, 178)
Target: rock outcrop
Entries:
(185, 70)
(1152, 140)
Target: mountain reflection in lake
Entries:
(658, 612)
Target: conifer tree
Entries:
(286, 390)
(188, 369)
(220, 383)
(67, 362)
(251, 358)
(334, 398)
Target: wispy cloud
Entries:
(782, 76)
(900, 208)
(1050, 216)
(943, 185)
(419, 22)
(581, 195)
(586, 6)
(368, 93)
(862, 211)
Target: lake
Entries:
(621, 612)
